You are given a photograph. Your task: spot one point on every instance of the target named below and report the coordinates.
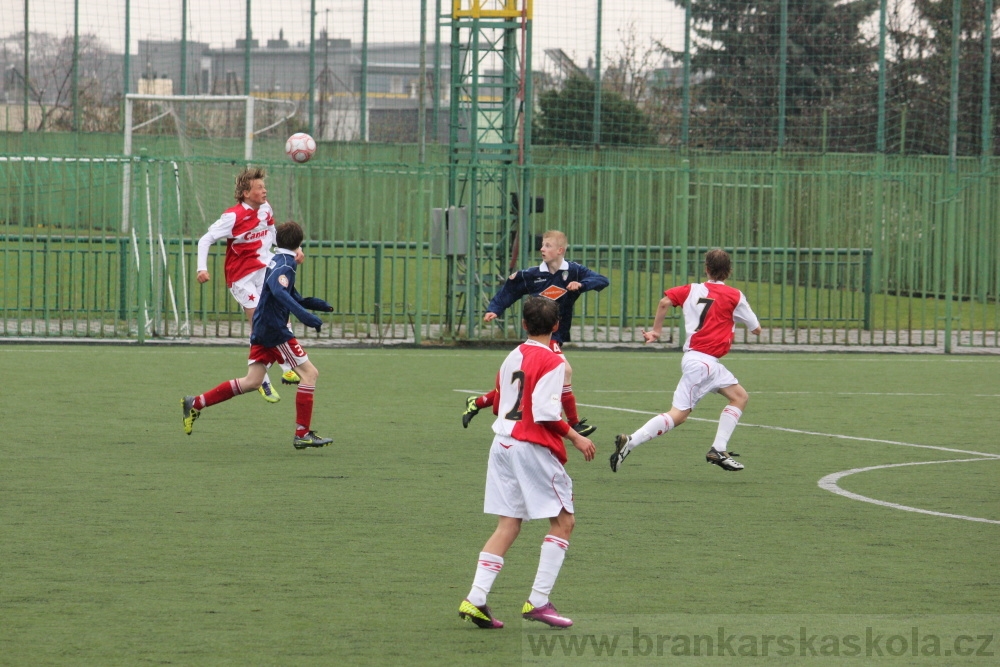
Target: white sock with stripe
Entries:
(728, 420)
(549, 564)
(486, 573)
(656, 426)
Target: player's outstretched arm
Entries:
(315, 303)
(661, 313)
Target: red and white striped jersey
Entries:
(249, 235)
(530, 384)
(711, 311)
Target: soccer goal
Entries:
(201, 130)
(189, 144)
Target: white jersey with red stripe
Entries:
(249, 235)
(530, 384)
(711, 311)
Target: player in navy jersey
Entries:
(525, 477)
(561, 281)
(272, 341)
(711, 311)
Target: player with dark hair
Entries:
(711, 311)
(561, 281)
(248, 229)
(272, 341)
(525, 477)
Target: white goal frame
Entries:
(130, 127)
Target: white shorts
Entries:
(526, 481)
(247, 289)
(701, 374)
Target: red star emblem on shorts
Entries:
(251, 297)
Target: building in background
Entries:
(281, 70)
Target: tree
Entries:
(50, 80)
(829, 70)
(566, 116)
(920, 76)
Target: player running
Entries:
(272, 341)
(711, 311)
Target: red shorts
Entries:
(289, 353)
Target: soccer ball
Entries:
(300, 147)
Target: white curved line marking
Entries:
(829, 483)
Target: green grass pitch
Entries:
(125, 542)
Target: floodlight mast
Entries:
(489, 152)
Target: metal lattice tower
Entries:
(489, 142)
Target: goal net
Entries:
(195, 144)
(202, 131)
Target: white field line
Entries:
(829, 482)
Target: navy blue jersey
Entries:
(539, 281)
(278, 299)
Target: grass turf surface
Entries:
(126, 542)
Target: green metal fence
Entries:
(830, 250)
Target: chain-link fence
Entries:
(900, 76)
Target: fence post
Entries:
(624, 290)
(597, 76)
(246, 53)
(682, 232)
(26, 79)
(686, 103)
(122, 278)
(782, 74)
(866, 285)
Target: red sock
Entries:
(569, 405)
(486, 400)
(223, 392)
(303, 408)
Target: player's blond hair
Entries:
(245, 179)
(557, 237)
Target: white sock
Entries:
(267, 380)
(551, 560)
(656, 426)
(486, 573)
(728, 420)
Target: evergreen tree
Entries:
(920, 78)
(566, 117)
(830, 70)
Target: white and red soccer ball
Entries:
(300, 147)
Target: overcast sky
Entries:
(566, 24)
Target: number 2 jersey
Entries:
(530, 383)
(711, 311)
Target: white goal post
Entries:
(186, 126)
(174, 111)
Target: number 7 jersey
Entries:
(711, 311)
